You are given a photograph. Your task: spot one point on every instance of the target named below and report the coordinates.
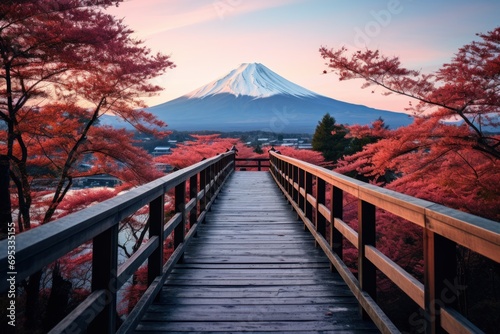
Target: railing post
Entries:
(280, 165)
(193, 194)
(319, 219)
(300, 185)
(203, 185)
(104, 277)
(295, 180)
(156, 221)
(440, 278)
(336, 211)
(208, 193)
(211, 182)
(367, 274)
(308, 186)
(180, 205)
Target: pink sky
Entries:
(208, 38)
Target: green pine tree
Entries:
(329, 139)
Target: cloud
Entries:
(152, 17)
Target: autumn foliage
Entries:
(64, 65)
(452, 163)
(206, 146)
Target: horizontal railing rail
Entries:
(443, 229)
(259, 163)
(39, 247)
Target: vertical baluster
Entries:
(440, 278)
(104, 276)
(193, 193)
(209, 185)
(180, 205)
(284, 170)
(156, 221)
(319, 220)
(300, 181)
(308, 186)
(336, 211)
(211, 182)
(366, 236)
(203, 184)
(217, 180)
(283, 173)
(295, 180)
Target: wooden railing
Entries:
(244, 163)
(443, 229)
(39, 247)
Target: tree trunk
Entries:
(5, 206)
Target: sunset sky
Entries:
(208, 38)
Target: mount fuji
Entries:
(252, 97)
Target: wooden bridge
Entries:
(256, 252)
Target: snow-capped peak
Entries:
(251, 79)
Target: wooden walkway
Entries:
(253, 268)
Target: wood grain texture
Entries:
(253, 268)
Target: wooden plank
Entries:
(248, 301)
(254, 326)
(254, 292)
(253, 268)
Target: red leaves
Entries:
(433, 161)
(456, 165)
(64, 64)
(466, 88)
(203, 147)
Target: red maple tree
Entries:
(455, 164)
(66, 63)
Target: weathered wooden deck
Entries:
(253, 268)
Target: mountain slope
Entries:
(252, 97)
(277, 113)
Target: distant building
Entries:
(161, 150)
(99, 180)
(305, 147)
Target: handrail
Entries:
(443, 229)
(39, 247)
(259, 163)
